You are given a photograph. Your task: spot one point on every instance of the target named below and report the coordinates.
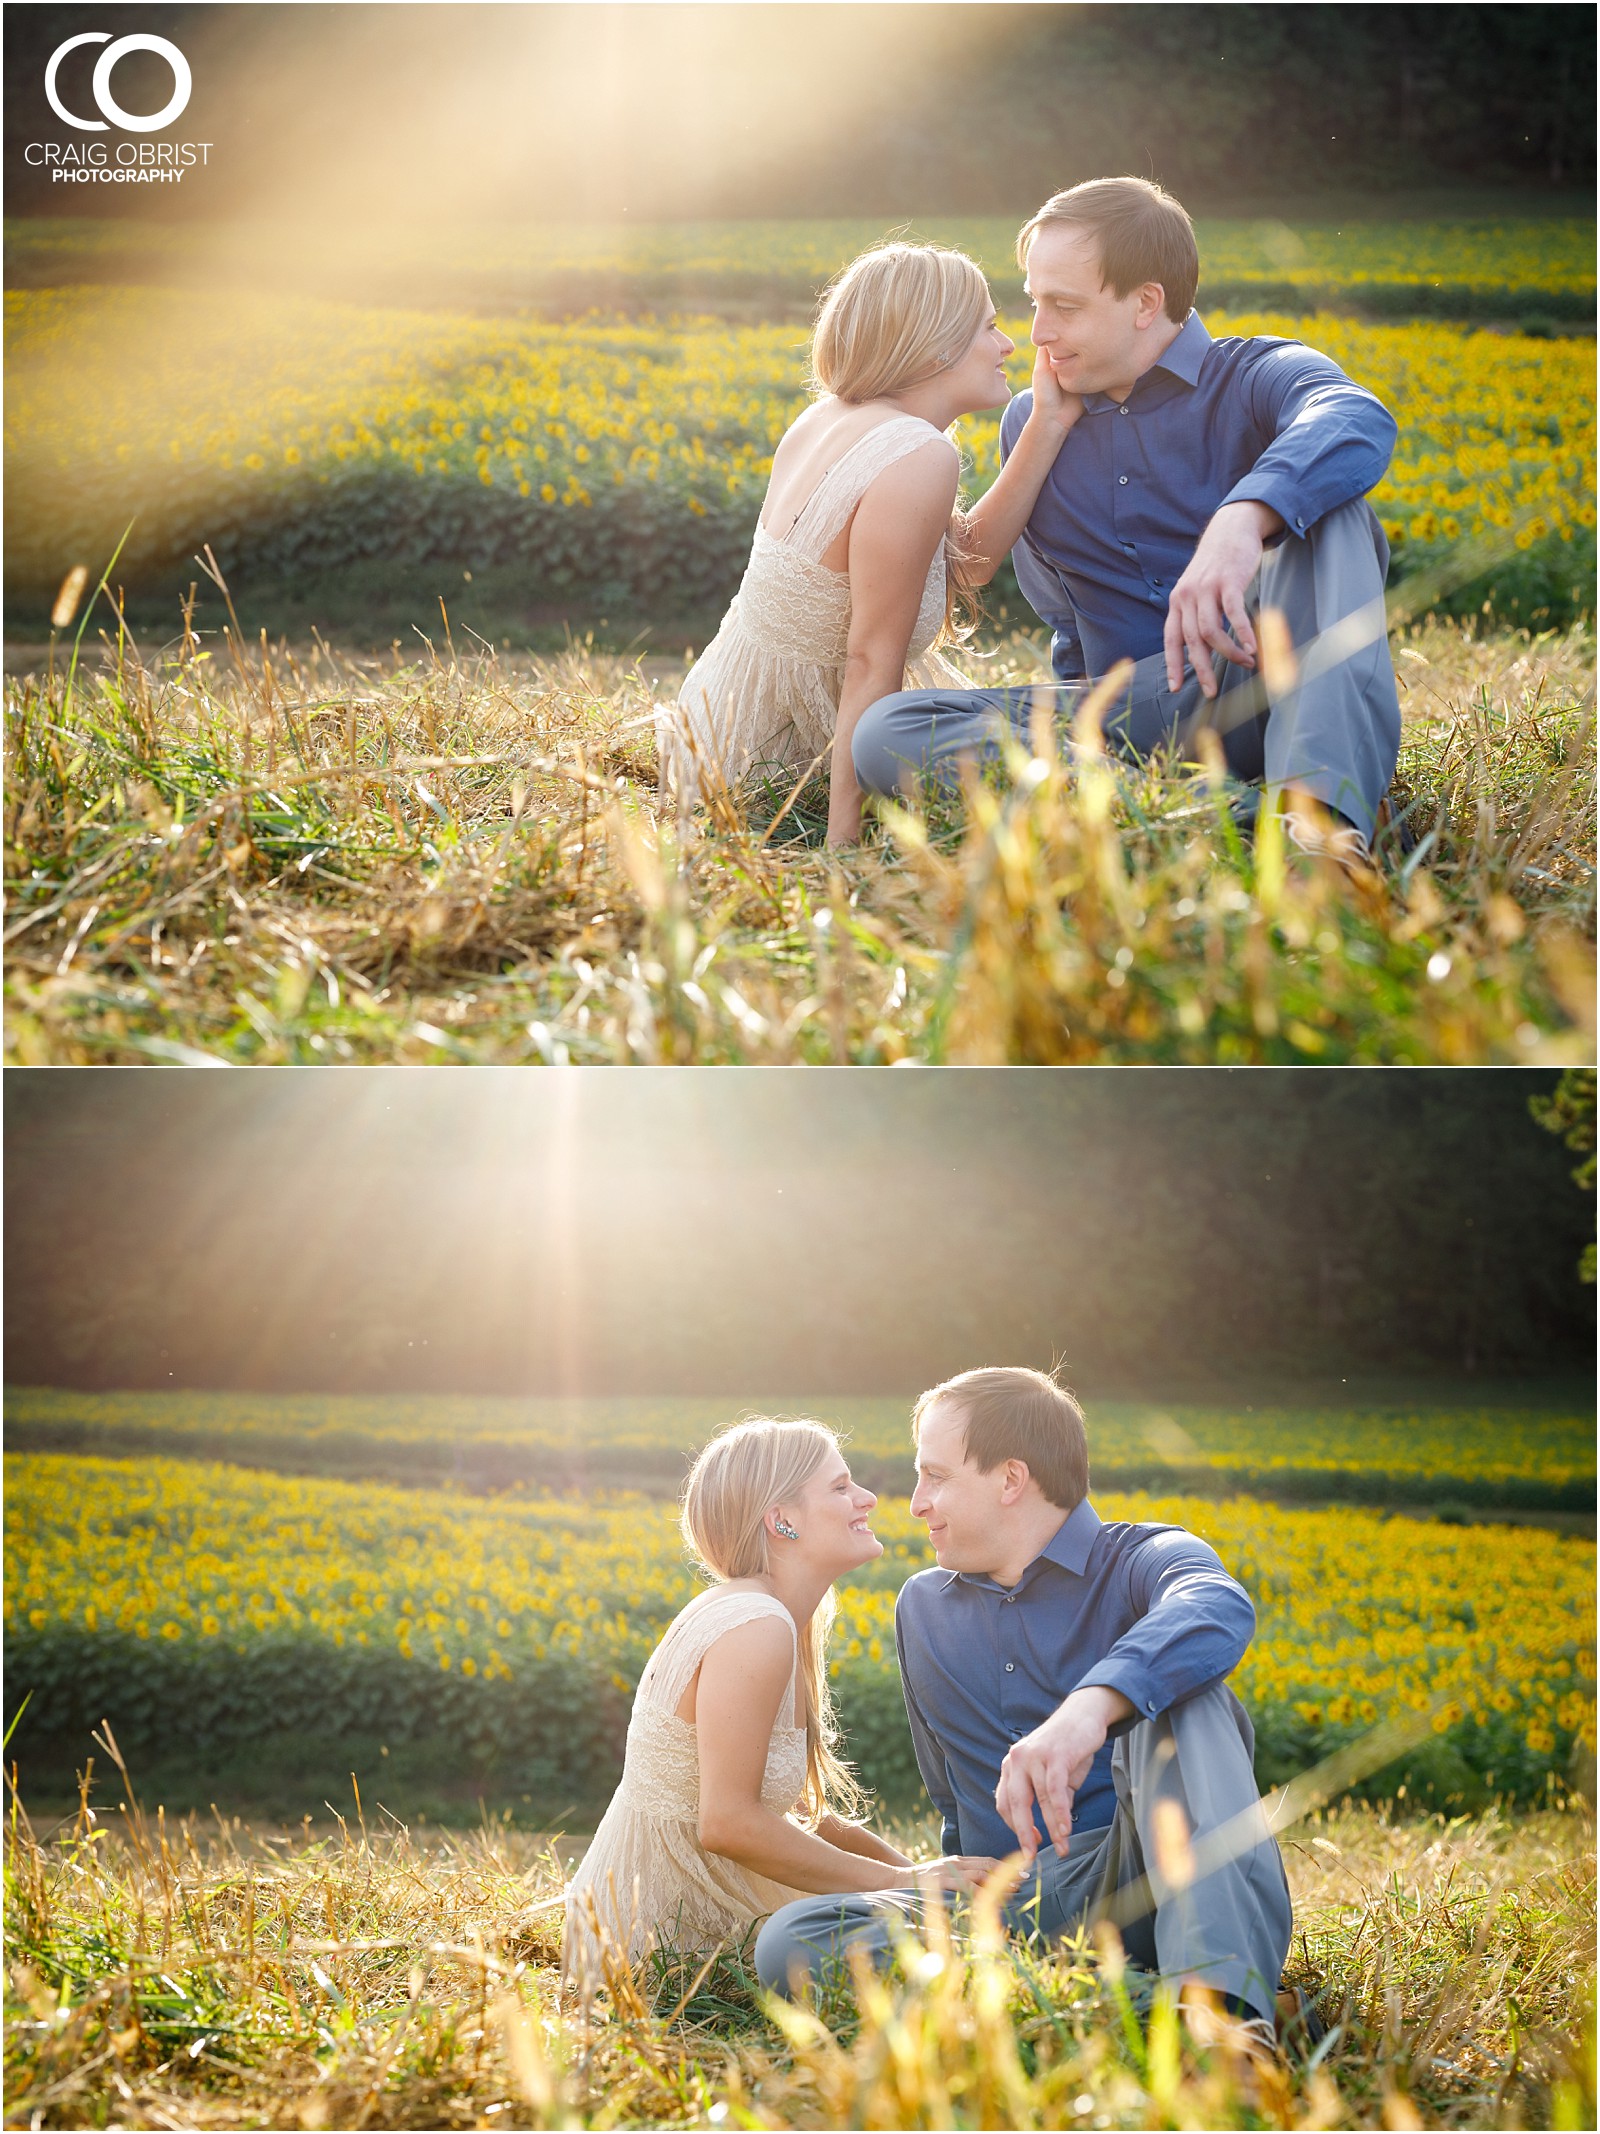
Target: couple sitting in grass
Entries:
(1158, 489)
(1065, 1681)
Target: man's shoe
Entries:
(1300, 2026)
(1395, 831)
(1329, 836)
(1246, 2044)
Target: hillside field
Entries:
(617, 464)
(1387, 1450)
(201, 1606)
(254, 1919)
(287, 787)
(217, 1969)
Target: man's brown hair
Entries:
(1142, 235)
(1011, 1413)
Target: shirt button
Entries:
(1122, 481)
(1011, 1667)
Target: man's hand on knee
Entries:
(1049, 1765)
(1211, 594)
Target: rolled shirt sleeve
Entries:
(1195, 1625)
(1331, 438)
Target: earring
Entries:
(780, 1525)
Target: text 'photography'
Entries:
(799, 534)
(1050, 546)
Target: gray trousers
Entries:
(1335, 734)
(1227, 1928)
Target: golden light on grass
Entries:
(1089, 909)
(66, 605)
(1173, 1849)
(1278, 665)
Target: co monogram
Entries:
(138, 41)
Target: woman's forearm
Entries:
(771, 1845)
(856, 1837)
(867, 677)
(995, 522)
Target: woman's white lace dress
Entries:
(766, 689)
(646, 1875)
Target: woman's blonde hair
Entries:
(735, 1481)
(895, 317)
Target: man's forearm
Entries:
(1262, 517)
(1107, 1705)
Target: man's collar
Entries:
(1070, 1546)
(1072, 1543)
(1183, 356)
(1186, 351)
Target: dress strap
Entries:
(691, 1635)
(825, 512)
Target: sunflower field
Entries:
(200, 1606)
(618, 462)
(1392, 1452)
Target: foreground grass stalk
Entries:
(213, 1977)
(308, 857)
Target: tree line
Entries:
(685, 111)
(819, 1233)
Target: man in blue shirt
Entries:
(1204, 480)
(1065, 1680)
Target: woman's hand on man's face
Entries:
(1050, 399)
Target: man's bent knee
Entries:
(890, 741)
(785, 1959)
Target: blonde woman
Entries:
(733, 1798)
(860, 550)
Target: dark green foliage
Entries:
(1229, 1232)
(877, 1738)
(556, 1732)
(558, 1726)
(1463, 1769)
(1541, 587)
(993, 106)
(1570, 1112)
(636, 551)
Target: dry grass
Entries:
(189, 1976)
(245, 853)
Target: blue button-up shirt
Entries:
(1211, 423)
(1145, 1609)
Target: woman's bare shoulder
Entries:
(764, 1640)
(753, 1603)
(929, 472)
